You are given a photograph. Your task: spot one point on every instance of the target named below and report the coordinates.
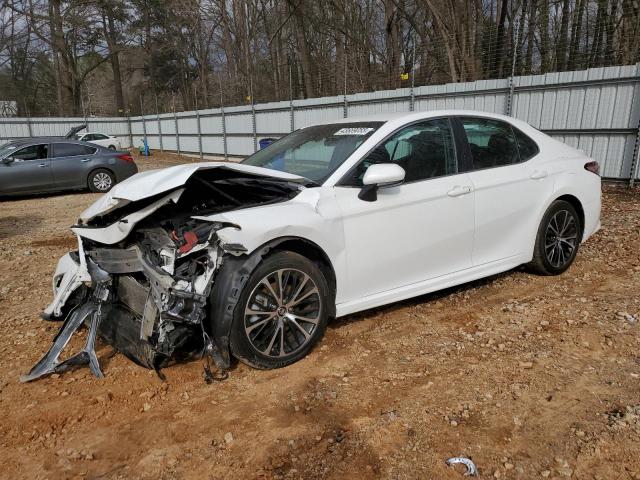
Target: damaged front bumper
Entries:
(150, 312)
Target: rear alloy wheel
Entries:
(101, 180)
(558, 239)
(281, 313)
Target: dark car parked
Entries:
(46, 164)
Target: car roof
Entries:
(407, 117)
(32, 140)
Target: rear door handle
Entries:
(42, 165)
(459, 190)
(538, 174)
(85, 160)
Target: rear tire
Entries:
(112, 147)
(558, 239)
(272, 326)
(101, 180)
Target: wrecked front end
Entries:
(142, 276)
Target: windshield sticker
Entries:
(354, 131)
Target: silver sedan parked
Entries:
(46, 164)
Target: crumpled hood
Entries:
(152, 182)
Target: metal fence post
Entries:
(254, 126)
(144, 124)
(195, 91)
(129, 126)
(514, 55)
(84, 111)
(292, 119)
(159, 124)
(253, 116)
(175, 124)
(345, 107)
(413, 78)
(224, 124)
(633, 174)
(29, 126)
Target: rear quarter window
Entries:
(71, 150)
(526, 147)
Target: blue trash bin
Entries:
(265, 142)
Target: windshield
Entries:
(7, 148)
(314, 152)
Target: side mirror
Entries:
(7, 160)
(380, 175)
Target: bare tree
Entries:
(53, 51)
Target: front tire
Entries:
(281, 313)
(112, 147)
(101, 180)
(558, 239)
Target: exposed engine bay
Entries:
(142, 276)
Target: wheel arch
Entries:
(561, 194)
(313, 252)
(577, 204)
(234, 274)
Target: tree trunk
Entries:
(576, 34)
(111, 33)
(498, 60)
(67, 103)
(447, 40)
(392, 43)
(610, 30)
(595, 57)
(520, 36)
(531, 31)
(303, 49)
(544, 37)
(561, 45)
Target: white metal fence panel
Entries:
(596, 110)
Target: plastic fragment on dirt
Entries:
(472, 471)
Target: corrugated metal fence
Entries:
(596, 110)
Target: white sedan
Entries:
(251, 260)
(102, 139)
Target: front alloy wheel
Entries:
(281, 313)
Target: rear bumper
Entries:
(125, 170)
(591, 218)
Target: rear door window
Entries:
(492, 142)
(71, 150)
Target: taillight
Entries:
(593, 167)
(128, 158)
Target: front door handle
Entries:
(42, 165)
(85, 160)
(459, 190)
(538, 174)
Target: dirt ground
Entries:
(531, 377)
